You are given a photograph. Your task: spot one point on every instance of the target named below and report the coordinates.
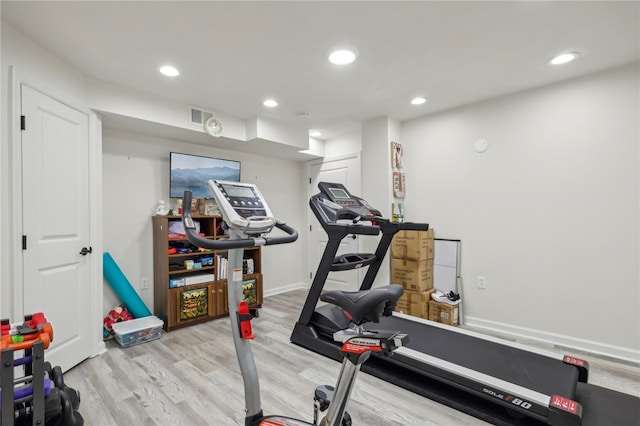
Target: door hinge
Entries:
(23, 125)
(309, 181)
(310, 229)
(24, 242)
(310, 275)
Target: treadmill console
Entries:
(338, 194)
(242, 206)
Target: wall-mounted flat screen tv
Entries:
(194, 171)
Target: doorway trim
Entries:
(310, 192)
(18, 79)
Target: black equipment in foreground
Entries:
(498, 381)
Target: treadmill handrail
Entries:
(386, 224)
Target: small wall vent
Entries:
(197, 116)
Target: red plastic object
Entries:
(36, 321)
(44, 336)
(245, 326)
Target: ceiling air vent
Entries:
(197, 116)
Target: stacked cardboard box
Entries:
(412, 267)
(415, 303)
(443, 313)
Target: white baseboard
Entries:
(284, 289)
(101, 348)
(627, 355)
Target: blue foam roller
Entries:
(123, 289)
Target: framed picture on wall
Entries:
(396, 155)
(398, 185)
(397, 212)
(198, 206)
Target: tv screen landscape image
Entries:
(194, 172)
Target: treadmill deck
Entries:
(529, 370)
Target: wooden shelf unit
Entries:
(194, 303)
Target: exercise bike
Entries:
(249, 220)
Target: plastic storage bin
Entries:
(140, 330)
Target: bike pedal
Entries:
(323, 396)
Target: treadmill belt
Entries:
(546, 375)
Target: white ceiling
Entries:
(233, 55)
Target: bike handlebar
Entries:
(228, 244)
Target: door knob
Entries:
(85, 251)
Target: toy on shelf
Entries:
(117, 314)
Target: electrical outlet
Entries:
(144, 283)
(482, 282)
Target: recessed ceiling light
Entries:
(418, 100)
(270, 103)
(563, 59)
(169, 71)
(315, 133)
(343, 56)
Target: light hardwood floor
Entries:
(191, 377)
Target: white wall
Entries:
(549, 214)
(349, 143)
(377, 182)
(136, 176)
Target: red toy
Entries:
(117, 314)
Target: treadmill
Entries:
(498, 381)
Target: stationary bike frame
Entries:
(355, 352)
(346, 379)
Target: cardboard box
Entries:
(413, 245)
(403, 303)
(177, 282)
(419, 303)
(415, 303)
(413, 275)
(199, 279)
(140, 330)
(444, 313)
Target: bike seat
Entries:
(365, 305)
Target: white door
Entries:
(55, 197)
(347, 172)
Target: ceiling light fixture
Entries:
(563, 59)
(169, 71)
(270, 103)
(315, 133)
(343, 56)
(419, 100)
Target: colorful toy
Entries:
(18, 336)
(117, 314)
(30, 322)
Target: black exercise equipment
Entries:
(37, 396)
(495, 380)
(249, 220)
